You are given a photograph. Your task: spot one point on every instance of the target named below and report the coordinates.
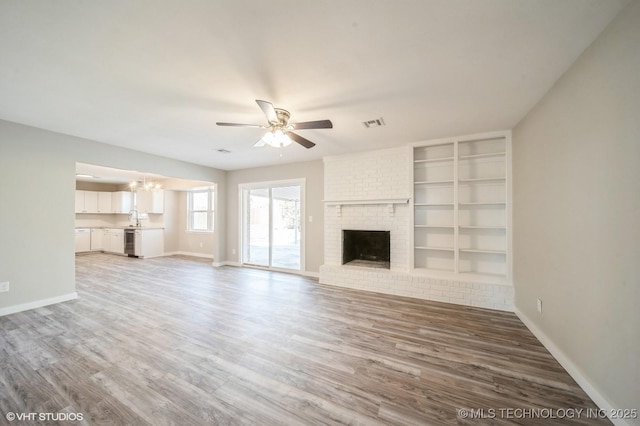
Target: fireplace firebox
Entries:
(370, 249)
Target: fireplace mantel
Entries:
(388, 201)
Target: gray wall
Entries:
(171, 225)
(312, 171)
(189, 242)
(37, 219)
(176, 236)
(576, 174)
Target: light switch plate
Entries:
(4, 287)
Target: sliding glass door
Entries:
(285, 227)
(272, 226)
(258, 230)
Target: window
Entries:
(200, 211)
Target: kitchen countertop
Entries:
(142, 228)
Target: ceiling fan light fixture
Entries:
(277, 139)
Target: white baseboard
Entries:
(37, 304)
(309, 274)
(226, 263)
(571, 368)
(188, 253)
(315, 275)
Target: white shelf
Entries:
(497, 228)
(435, 248)
(488, 155)
(434, 182)
(367, 202)
(433, 160)
(445, 175)
(470, 250)
(435, 269)
(488, 203)
(485, 274)
(487, 179)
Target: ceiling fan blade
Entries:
(302, 141)
(268, 110)
(260, 143)
(240, 125)
(320, 124)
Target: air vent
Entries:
(223, 151)
(378, 122)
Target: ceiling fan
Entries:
(280, 132)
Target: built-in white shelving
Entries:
(462, 206)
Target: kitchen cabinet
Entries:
(104, 202)
(79, 201)
(97, 238)
(86, 201)
(121, 202)
(83, 240)
(112, 240)
(150, 243)
(150, 201)
(117, 241)
(106, 240)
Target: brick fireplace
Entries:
(371, 191)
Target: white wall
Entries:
(576, 166)
(312, 171)
(37, 218)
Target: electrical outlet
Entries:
(310, 218)
(233, 251)
(539, 306)
(201, 244)
(4, 287)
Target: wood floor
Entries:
(175, 341)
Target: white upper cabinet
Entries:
(104, 202)
(121, 202)
(150, 201)
(86, 201)
(79, 201)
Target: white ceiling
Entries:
(155, 75)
